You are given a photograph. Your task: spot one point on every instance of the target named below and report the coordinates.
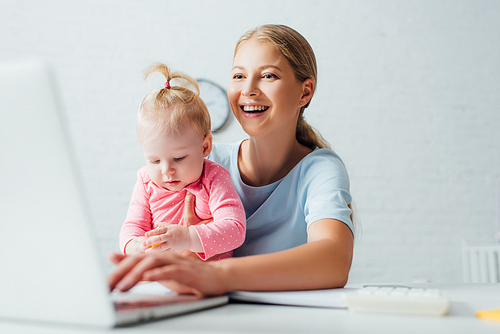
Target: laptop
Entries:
(49, 264)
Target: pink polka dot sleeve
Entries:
(138, 220)
(227, 231)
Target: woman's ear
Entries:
(207, 145)
(307, 91)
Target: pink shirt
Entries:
(216, 198)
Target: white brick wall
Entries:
(407, 95)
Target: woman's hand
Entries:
(184, 275)
(189, 215)
(184, 272)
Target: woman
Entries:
(294, 189)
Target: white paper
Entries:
(329, 298)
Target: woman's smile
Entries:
(253, 109)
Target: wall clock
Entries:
(215, 98)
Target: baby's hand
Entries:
(153, 234)
(171, 237)
(136, 246)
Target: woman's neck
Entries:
(263, 161)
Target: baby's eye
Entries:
(154, 162)
(179, 159)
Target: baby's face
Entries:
(175, 160)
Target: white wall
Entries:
(408, 95)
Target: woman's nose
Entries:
(250, 89)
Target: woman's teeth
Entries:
(254, 109)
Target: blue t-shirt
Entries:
(279, 214)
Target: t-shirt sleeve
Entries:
(227, 231)
(222, 154)
(325, 189)
(138, 220)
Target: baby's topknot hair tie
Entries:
(167, 85)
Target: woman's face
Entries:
(264, 94)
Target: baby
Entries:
(173, 129)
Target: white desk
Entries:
(253, 318)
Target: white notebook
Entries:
(329, 298)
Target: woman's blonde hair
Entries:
(300, 55)
(172, 107)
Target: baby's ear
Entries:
(207, 145)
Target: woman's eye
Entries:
(270, 76)
(238, 76)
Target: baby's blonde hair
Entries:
(173, 107)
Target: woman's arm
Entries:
(323, 262)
